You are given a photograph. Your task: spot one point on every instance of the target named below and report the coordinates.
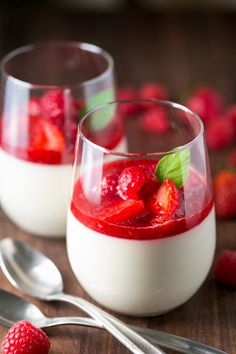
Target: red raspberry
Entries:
(206, 102)
(128, 109)
(224, 184)
(25, 338)
(219, 134)
(109, 185)
(224, 268)
(130, 181)
(230, 115)
(53, 106)
(152, 90)
(155, 120)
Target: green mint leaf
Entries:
(174, 166)
(101, 118)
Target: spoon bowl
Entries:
(29, 270)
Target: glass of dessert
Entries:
(45, 89)
(141, 223)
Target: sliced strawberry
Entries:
(224, 268)
(165, 201)
(123, 210)
(155, 120)
(47, 136)
(49, 157)
(130, 181)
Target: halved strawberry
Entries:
(165, 201)
(123, 210)
(224, 268)
(46, 135)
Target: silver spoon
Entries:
(36, 275)
(28, 311)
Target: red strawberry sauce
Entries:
(114, 215)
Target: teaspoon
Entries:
(30, 312)
(36, 275)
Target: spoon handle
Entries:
(133, 341)
(166, 340)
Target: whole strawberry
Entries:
(24, 338)
(224, 184)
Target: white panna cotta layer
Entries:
(141, 277)
(35, 196)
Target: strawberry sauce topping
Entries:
(46, 132)
(117, 205)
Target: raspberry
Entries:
(224, 184)
(130, 181)
(152, 90)
(155, 120)
(109, 185)
(130, 108)
(219, 134)
(165, 201)
(25, 338)
(53, 106)
(206, 102)
(224, 268)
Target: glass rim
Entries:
(137, 154)
(92, 48)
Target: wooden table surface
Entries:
(181, 51)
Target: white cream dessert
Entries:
(129, 252)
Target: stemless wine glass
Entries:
(141, 223)
(45, 89)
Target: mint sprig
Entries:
(174, 166)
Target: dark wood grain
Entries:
(182, 51)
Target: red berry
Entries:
(224, 184)
(224, 268)
(206, 102)
(151, 184)
(25, 338)
(53, 106)
(230, 115)
(109, 185)
(165, 201)
(35, 109)
(47, 136)
(219, 134)
(123, 210)
(130, 108)
(152, 90)
(130, 181)
(155, 120)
